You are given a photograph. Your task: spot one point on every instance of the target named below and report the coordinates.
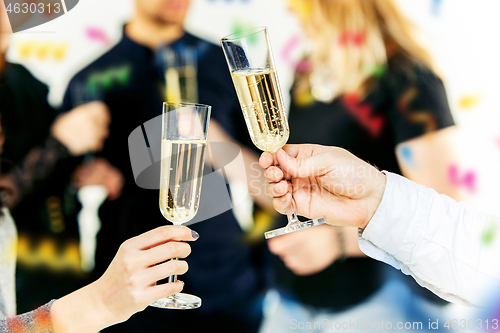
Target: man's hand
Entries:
(83, 129)
(100, 172)
(327, 181)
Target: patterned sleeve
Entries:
(37, 321)
(34, 168)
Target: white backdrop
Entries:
(461, 34)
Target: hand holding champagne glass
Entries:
(184, 141)
(250, 61)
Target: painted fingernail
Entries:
(182, 282)
(195, 234)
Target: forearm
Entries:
(435, 239)
(80, 312)
(34, 168)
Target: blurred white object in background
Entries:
(91, 197)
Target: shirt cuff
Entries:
(391, 235)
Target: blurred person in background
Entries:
(40, 153)
(225, 271)
(129, 283)
(369, 87)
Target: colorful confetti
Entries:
(467, 102)
(468, 180)
(406, 155)
(286, 52)
(436, 7)
(97, 35)
(239, 27)
(301, 7)
(490, 231)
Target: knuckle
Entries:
(172, 266)
(171, 248)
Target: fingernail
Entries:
(195, 234)
(181, 282)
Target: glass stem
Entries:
(291, 212)
(172, 278)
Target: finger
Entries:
(304, 167)
(166, 251)
(266, 160)
(162, 235)
(276, 190)
(273, 174)
(157, 292)
(164, 270)
(280, 204)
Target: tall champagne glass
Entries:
(184, 141)
(180, 68)
(251, 64)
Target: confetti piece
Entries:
(468, 101)
(97, 35)
(286, 52)
(489, 234)
(239, 27)
(407, 155)
(468, 180)
(301, 7)
(436, 7)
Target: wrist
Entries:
(375, 197)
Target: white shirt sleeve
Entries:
(448, 247)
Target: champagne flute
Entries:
(251, 64)
(180, 68)
(184, 141)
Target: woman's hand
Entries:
(327, 182)
(129, 283)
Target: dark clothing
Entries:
(406, 102)
(37, 168)
(222, 271)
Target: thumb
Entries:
(302, 167)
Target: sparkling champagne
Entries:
(262, 106)
(181, 84)
(181, 175)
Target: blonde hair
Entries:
(351, 38)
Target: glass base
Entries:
(292, 227)
(178, 301)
